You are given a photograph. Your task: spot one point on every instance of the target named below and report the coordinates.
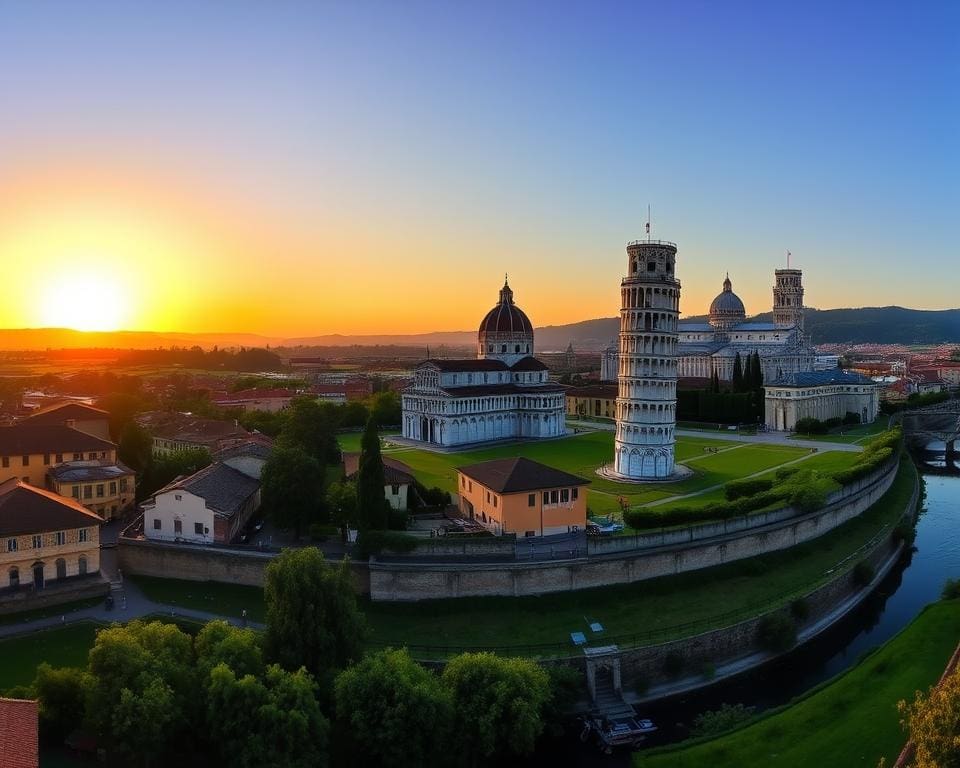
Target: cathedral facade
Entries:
(502, 394)
(709, 348)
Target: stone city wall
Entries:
(462, 546)
(400, 581)
(137, 557)
(65, 591)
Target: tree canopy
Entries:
(290, 487)
(371, 501)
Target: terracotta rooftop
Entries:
(27, 509)
(19, 733)
(518, 475)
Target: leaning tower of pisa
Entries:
(647, 375)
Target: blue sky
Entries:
(429, 147)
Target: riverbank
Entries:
(851, 720)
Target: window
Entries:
(99, 490)
(198, 529)
(177, 496)
(61, 568)
(6, 461)
(113, 488)
(528, 534)
(77, 456)
(574, 493)
(394, 489)
(61, 538)
(59, 458)
(177, 527)
(14, 578)
(470, 485)
(75, 491)
(488, 497)
(46, 459)
(463, 481)
(494, 501)
(92, 455)
(87, 491)
(156, 523)
(26, 460)
(11, 545)
(546, 497)
(82, 565)
(554, 497)
(565, 495)
(651, 266)
(84, 535)
(532, 500)
(37, 541)
(123, 485)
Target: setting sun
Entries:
(84, 302)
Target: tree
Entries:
(505, 699)
(715, 383)
(385, 409)
(312, 615)
(142, 693)
(290, 487)
(342, 503)
(62, 693)
(392, 712)
(162, 470)
(122, 407)
(222, 643)
(271, 722)
(311, 427)
(136, 446)
(737, 374)
(757, 371)
(371, 501)
(933, 720)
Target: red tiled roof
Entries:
(19, 733)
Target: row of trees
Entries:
(299, 694)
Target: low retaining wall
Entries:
(705, 531)
(83, 588)
(400, 581)
(462, 546)
(196, 563)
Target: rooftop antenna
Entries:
(648, 222)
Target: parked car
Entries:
(603, 527)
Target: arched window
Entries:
(14, 577)
(517, 349)
(82, 565)
(61, 568)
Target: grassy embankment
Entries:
(849, 721)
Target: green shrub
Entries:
(717, 721)
(951, 590)
(851, 418)
(777, 633)
(863, 573)
(808, 499)
(904, 532)
(785, 473)
(749, 487)
(810, 426)
(375, 542)
(673, 664)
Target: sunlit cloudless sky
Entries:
(297, 168)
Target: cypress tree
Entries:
(715, 383)
(737, 374)
(757, 372)
(371, 502)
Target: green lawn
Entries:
(350, 441)
(223, 599)
(850, 721)
(50, 610)
(60, 647)
(583, 454)
(656, 606)
(858, 434)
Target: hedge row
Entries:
(737, 489)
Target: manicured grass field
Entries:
(583, 454)
(859, 434)
(850, 721)
(60, 647)
(223, 599)
(657, 605)
(350, 441)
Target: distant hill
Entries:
(878, 325)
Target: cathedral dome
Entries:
(506, 333)
(506, 317)
(727, 310)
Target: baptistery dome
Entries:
(727, 310)
(506, 333)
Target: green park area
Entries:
(713, 461)
(654, 610)
(850, 721)
(855, 435)
(61, 647)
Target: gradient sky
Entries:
(297, 168)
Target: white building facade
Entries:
(820, 395)
(647, 363)
(503, 394)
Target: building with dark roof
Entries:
(209, 506)
(28, 450)
(44, 538)
(597, 401)
(397, 478)
(86, 418)
(503, 394)
(173, 432)
(820, 395)
(108, 488)
(522, 496)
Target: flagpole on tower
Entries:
(648, 222)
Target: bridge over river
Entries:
(934, 423)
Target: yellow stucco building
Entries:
(523, 497)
